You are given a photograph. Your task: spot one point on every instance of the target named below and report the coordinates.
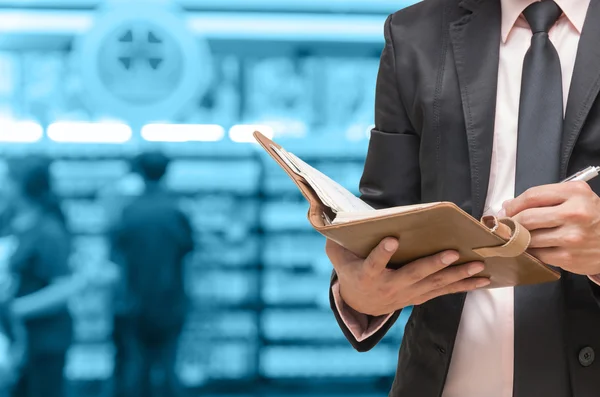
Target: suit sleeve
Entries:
(391, 175)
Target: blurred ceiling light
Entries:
(79, 132)
(183, 132)
(242, 133)
(288, 26)
(288, 128)
(32, 21)
(20, 131)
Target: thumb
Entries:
(381, 255)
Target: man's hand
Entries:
(564, 221)
(367, 286)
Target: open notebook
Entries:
(345, 206)
(422, 230)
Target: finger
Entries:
(467, 285)
(338, 255)
(554, 256)
(447, 277)
(539, 218)
(378, 259)
(549, 238)
(536, 197)
(418, 270)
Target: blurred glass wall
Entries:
(91, 83)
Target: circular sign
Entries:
(140, 62)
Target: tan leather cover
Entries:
(500, 243)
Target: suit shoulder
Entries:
(420, 19)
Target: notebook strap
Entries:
(518, 238)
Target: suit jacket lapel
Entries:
(476, 42)
(585, 84)
(476, 45)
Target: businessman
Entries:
(488, 104)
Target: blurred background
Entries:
(91, 84)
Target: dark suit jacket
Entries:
(434, 124)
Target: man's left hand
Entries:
(564, 222)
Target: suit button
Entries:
(587, 356)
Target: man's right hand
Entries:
(367, 286)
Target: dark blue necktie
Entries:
(540, 356)
(541, 105)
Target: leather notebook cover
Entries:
(500, 243)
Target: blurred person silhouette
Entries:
(41, 276)
(12, 333)
(150, 243)
(12, 340)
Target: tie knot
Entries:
(542, 15)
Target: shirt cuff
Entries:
(360, 325)
(595, 278)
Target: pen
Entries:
(584, 175)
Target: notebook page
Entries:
(345, 217)
(331, 193)
(344, 200)
(325, 199)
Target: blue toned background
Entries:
(92, 83)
